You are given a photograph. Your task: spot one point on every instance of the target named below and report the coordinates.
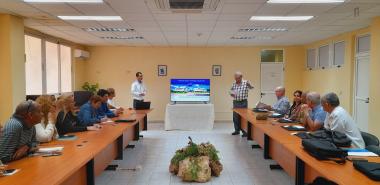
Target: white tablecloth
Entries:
(189, 117)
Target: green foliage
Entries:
(92, 88)
(194, 150)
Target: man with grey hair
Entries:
(339, 120)
(19, 134)
(282, 105)
(313, 114)
(239, 91)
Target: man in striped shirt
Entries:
(239, 91)
(19, 134)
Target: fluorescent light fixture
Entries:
(109, 29)
(280, 18)
(63, 1)
(252, 38)
(91, 18)
(306, 1)
(258, 29)
(123, 38)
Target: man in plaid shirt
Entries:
(239, 91)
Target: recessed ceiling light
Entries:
(91, 18)
(280, 18)
(263, 29)
(63, 1)
(123, 38)
(306, 1)
(109, 29)
(251, 38)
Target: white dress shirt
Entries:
(339, 120)
(137, 89)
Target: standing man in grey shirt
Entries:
(239, 91)
(19, 134)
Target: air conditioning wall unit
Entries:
(81, 54)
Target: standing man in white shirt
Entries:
(138, 89)
(338, 119)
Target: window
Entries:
(339, 52)
(33, 65)
(323, 56)
(65, 69)
(311, 61)
(50, 74)
(364, 44)
(272, 56)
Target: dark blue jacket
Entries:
(87, 115)
(103, 111)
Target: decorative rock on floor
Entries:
(196, 162)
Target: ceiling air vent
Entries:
(184, 6)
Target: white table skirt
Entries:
(189, 117)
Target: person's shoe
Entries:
(244, 134)
(235, 133)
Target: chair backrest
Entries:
(370, 139)
(81, 97)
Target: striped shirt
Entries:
(241, 90)
(15, 135)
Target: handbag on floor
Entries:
(324, 150)
(370, 169)
(322, 181)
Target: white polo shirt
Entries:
(339, 120)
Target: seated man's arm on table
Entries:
(282, 108)
(9, 142)
(318, 121)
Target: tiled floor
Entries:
(152, 154)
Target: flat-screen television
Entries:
(190, 90)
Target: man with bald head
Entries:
(313, 114)
(239, 91)
(282, 105)
(19, 134)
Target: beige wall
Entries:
(338, 80)
(12, 65)
(116, 67)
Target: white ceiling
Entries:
(209, 28)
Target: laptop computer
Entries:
(142, 105)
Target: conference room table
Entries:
(82, 159)
(286, 149)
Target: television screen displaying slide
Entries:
(190, 90)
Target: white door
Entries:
(271, 77)
(362, 92)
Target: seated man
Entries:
(110, 101)
(103, 110)
(282, 105)
(339, 120)
(313, 115)
(19, 134)
(88, 115)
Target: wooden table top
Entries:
(38, 170)
(344, 174)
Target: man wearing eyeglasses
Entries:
(19, 134)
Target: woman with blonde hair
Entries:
(46, 131)
(67, 121)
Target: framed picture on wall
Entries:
(216, 70)
(162, 70)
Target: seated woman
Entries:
(87, 115)
(67, 120)
(46, 131)
(295, 109)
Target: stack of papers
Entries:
(50, 149)
(360, 152)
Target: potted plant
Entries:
(90, 87)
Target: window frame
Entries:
(334, 53)
(45, 39)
